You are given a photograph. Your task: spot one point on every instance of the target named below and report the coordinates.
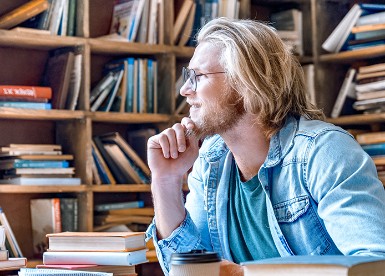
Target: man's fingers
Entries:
(180, 137)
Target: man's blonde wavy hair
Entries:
(262, 70)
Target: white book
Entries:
(347, 85)
(56, 16)
(337, 38)
(59, 272)
(375, 18)
(371, 86)
(75, 83)
(98, 258)
(42, 181)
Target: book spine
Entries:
(56, 215)
(40, 164)
(122, 205)
(25, 91)
(28, 105)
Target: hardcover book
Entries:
(96, 241)
(316, 265)
(98, 258)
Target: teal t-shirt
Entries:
(249, 233)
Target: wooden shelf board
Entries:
(37, 41)
(121, 188)
(26, 189)
(35, 114)
(183, 52)
(115, 117)
(349, 56)
(358, 119)
(102, 46)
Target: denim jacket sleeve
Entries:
(188, 235)
(342, 178)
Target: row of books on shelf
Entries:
(36, 164)
(363, 90)
(128, 85)
(59, 88)
(363, 26)
(7, 262)
(116, 162)
(54, 17)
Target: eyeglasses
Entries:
(190, 74)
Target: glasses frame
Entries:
(190, 74)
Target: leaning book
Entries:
(96, 241)
(335, 265)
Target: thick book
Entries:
(96, 241)
(371, 137)
(119, 205)
(45, 218)
(316, 265)
(118, 270)
(48, 181)
(13, 263)
(22, 13)
(69, 213)
(22, 91)
(98, 258)
(374, 149)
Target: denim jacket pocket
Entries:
(292, 209)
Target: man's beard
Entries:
(219, 117)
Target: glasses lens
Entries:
(185, 74)
(192, 78)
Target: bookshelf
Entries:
(24, 55)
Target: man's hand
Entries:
(171, 153)
(230, 269)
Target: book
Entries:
(59, 272)
(57, 75)
(98, 258)
(57, 11)
(119, 205)
(117, 270)
(371, 68)
(371, 137)
(371, 86)
(27, 181)
(102, 167)
(13, 263)
(27, 105)
(20, 163)
(346, 87)
(316, 265)
(361, 76)
(370, 95)
(181, 19)
(119, 219)
(35, 156)
(44, 171)
(22, 13)
(374, 149)
(69, 214)
(96, 241)
(45, 218)
(337, 38)
(21, 91)
(137, 139)
(185, 34)
(75, 81)
(375, 18)
(132, 212)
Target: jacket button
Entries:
(288, 214)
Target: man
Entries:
(271, 178)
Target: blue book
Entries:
(365, 45)
(28, 105)
(130, 85)
(119, 205)
(150, 86)
(18, 163)
(374, 149)
(102, 173)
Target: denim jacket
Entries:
(322, 191)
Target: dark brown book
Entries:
(58, 76)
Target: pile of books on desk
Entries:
(108, 252)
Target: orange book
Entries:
(22, 13)
(22, 91)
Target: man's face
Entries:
(215, 108)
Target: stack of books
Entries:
(131, 213)
(36, 164)
(7, 263)
(363, 26)
(21, 96)
(289, 27)
(114, 252)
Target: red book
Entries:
(21, 91)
